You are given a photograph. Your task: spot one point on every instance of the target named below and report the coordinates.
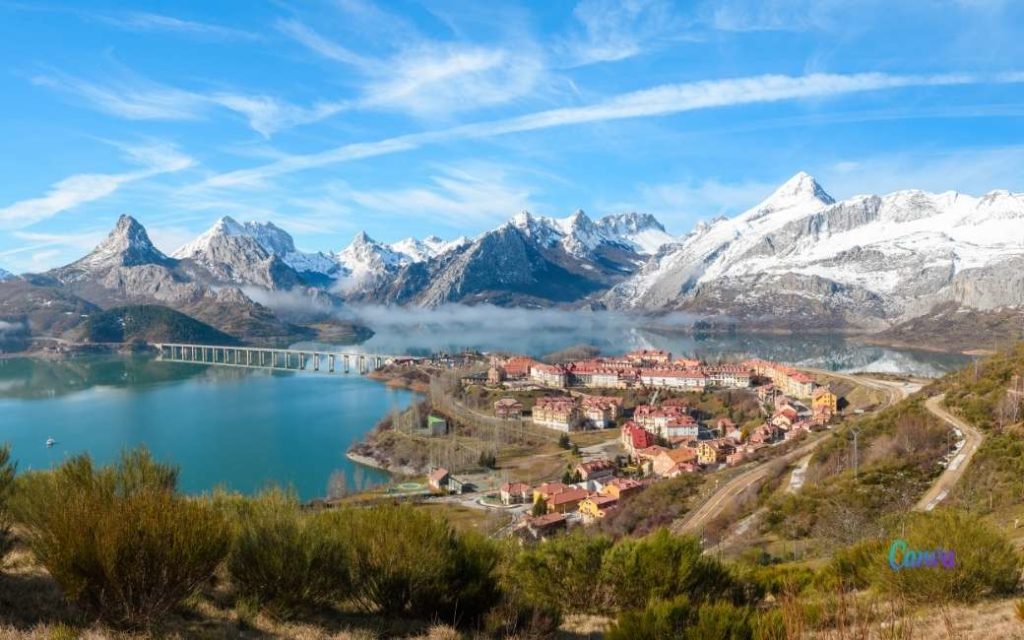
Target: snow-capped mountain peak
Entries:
(5, 275)
(127, 245)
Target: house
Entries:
(735, 458)
(621, 488)
(635, 437)
(459, 485)
(823, 398)
(765, 434)
(567, 501)
(597, 506)
(595, 469)
(547, 490)
(517, 368)
(731, 376)
(710, 452)
(667, 462)
(549, 375)
(496, 374)
(508, 409)
(438, 479)
(727, 429)
(673, 378)
(601, 411)
(546, 525)
(560, 413)
(436, 425)
(657, 418)
(515, 493)
(649, 357)
(599, 374)
(680, 427)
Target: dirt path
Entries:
(955, 469)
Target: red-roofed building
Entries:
(515, 493)
(596, 469)
(549, 375)
(622, 488)
(635, 437)
(596, 507)
(567, 501)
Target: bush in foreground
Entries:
(117, 540)
(405, 562)
(286, 560)
(6, 482)
(986, 562)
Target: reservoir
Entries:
(244, 429)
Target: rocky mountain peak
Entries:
(801, 189)
(5, 275)
(127, 245)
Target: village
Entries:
(670, 433)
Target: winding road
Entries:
(955, 469)
(732, 489)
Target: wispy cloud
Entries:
(144, 21)
(611, 30)
(428, 77)
(136, 98)
(658, 101)
(458, 195)
(79, 189)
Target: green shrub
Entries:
(986, 562)
(407, 563)
(564, 572)
(721, 620)
(661, 566)
(516, 618)
(288, 561)
(853, 567)
(117, 540)
(7, 469)
(659, 620)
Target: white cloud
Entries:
(658, 101)
(79, 189)
(431, 78)
(615, 30)
(144, 21)
(461, 196)
(325, 47)
(136, 98)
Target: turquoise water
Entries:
(243, 429)
(236, 428)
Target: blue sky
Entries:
(411, 118)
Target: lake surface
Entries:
(240, 429)
(243, 428)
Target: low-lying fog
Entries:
(452, 328)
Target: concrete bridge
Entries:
(280, 359)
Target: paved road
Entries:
(955, 469)
(731, 490)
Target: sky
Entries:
(411, 118)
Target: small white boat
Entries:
(50, 442)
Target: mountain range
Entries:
(799, 260)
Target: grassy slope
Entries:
(151, 323)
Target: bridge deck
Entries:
(277, 359)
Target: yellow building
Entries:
(824, 398)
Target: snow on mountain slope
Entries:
(909, 249)
(580, 236)
(427, 248)
(229, 241)
(127, 245)
(364, 262)
(5, 275)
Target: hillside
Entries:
(150, 323)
